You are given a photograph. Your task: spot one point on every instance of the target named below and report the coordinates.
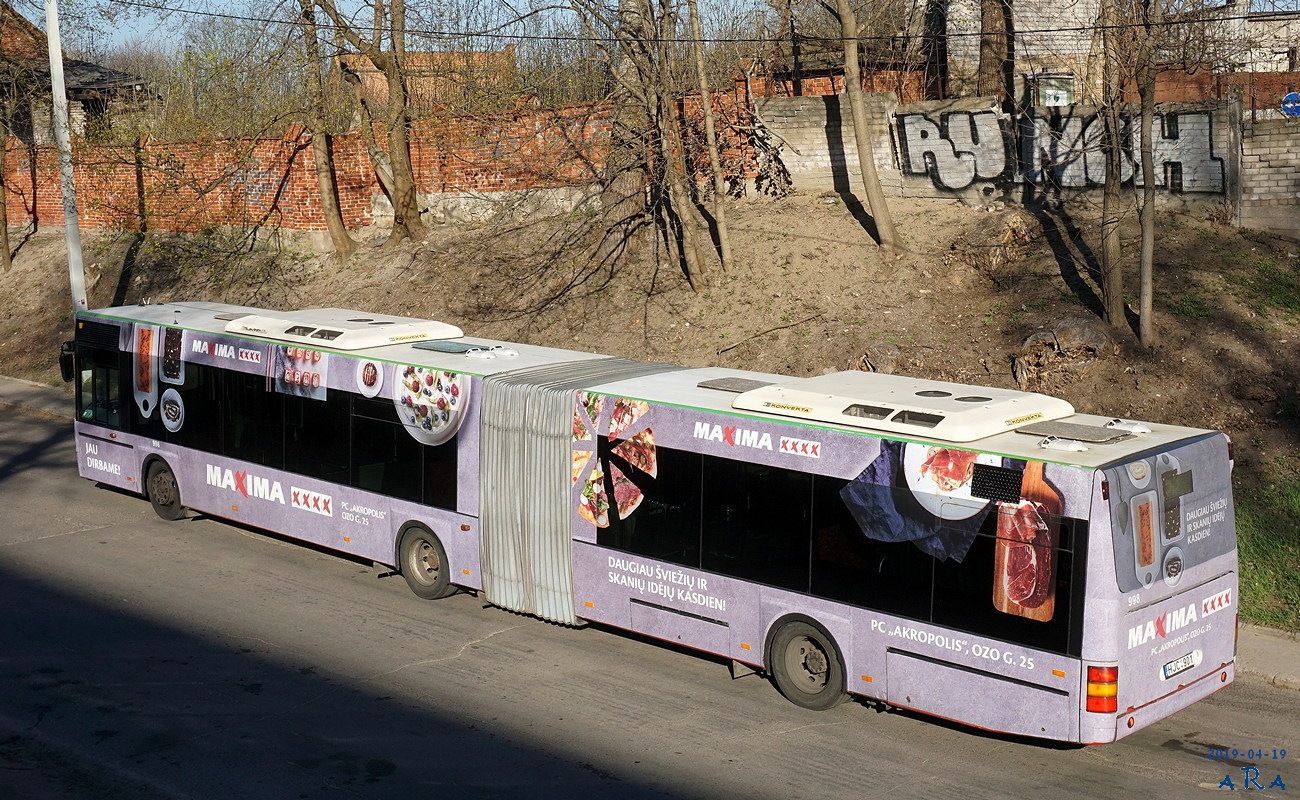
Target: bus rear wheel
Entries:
(423, 564)
(164, 493)
(806, 667)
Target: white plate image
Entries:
(430, 403)
(955, 503)
(374, 371)
(172, 409)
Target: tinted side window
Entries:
(894, 577)
(316, 436)
(200, 421)
(253, 420)
(976, 595)
(385, 458)
(756, 522)
(441, 473)
(666, 523)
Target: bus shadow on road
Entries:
(125, 707)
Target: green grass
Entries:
(1266, 285)
(1268, 541)
(1189, 306)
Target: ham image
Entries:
(948, 467)
(1028, 571)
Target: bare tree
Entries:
(1146, 80)
(322, 152)
(647, 163)
(1112, 142)
(848, 20)
(384, 47)
(711, 140)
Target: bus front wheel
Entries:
(424, 564)
(164, 492)
(806, 666)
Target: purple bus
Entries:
(983, 555)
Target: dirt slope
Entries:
(809, 294)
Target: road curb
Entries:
(1269, 654)
(29, 396)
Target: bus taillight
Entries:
(1103, 688)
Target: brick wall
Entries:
(188, 186)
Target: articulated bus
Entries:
(983, 555)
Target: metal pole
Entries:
(76, 268)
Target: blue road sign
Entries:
(1291, 104)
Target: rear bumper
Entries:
(1101, 728)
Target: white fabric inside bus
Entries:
(526, 537)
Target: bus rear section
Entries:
(1173, 593)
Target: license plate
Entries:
(1179, 665)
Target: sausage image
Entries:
(144, 359)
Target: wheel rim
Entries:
(424, 561)
(163, 488)
(807, 664)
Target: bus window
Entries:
(894, 577)
(316, 441)
(756, 522)
(253, 420)
(964, 592)
(385, 458)
(99, 387)
(201, 399)
(666, 525)
(441, 473)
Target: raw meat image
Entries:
(1027, 574)
(950, 469)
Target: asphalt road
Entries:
(196, 659)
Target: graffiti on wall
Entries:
(956, 149)
(960, 147)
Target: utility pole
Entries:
(59, 107)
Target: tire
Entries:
(163, 491)
(806, 666)
(423, 563)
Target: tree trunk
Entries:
(322, 155)
(406, 209)
(711, 140)
(679, 195)
(866, 158)
(6, 258)
(1147, 93)
(1112, 270)
(406, 206)
(993, 50)
(378, 158)
(623, 184)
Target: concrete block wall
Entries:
(1270, 175)
(818, 143)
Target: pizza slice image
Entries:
(580, 460)
(626, 413)
(626, 495)
(580, 431)
(594, 506)
(591, 404)
(639, 451)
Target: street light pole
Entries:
(76, 267)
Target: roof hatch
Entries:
(908, 406)
(340, 329)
